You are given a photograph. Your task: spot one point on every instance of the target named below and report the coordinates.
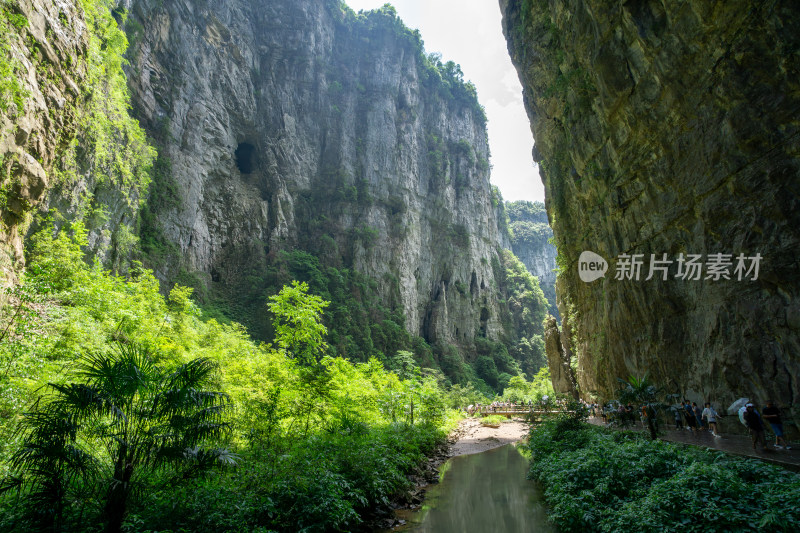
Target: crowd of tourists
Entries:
(691, 417)
(755, 423)
(495, 406)
(695, 418)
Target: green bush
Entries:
(598, 480)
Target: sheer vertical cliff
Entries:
(303, 125)
(671, 128)
(295, 140)
(69, 150)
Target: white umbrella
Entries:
(741, 415)
(735, 406)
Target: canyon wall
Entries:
(667, 134)
(530, 242)
(294, 139)
(70, 150)
(44, 49)
(305, 126)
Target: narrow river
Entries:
(482, 493)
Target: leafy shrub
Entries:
(596, 480)
(493, 419)
(315, 454)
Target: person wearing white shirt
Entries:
(711, 417)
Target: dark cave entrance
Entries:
(245, 158)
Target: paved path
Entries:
(734, 444)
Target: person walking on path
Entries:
(773, 415)
(755, 426)
(678, 418)
(698, 414)
(711, 418)
(688, 413)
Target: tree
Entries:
(639, 391)
(298, 322)
(143, 417)
(404, 365)
(300, 332)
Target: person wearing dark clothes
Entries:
(698, 415)
(678, 419)
(755, 426)
(688, 413)
(773, 415)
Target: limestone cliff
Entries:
(302, 125)
(530, 242)
(671, 128)
(70, 151)
(558, 360)
(296, 139)
(43, 48)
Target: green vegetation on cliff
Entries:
(360, 323)
(116, 147)
(109, 151)
(11, 91)
(72, 144)
(446, 78)
(527, 308)
(528, 224)
(532, 241)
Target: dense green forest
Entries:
(221, 433)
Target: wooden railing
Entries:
(536, 414)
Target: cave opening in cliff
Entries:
(245, 158)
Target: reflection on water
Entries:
(483, 493)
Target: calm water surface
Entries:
(483, 493)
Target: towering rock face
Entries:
(558, 360)
(671, 128)
(44, 48)
(530, 242)
(69, 150)
(299, 124)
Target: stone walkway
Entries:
(734, 444)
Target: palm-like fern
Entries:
(145, 418)
(641, 391)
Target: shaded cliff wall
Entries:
(530, 242)
(302, 125)
(671, 128)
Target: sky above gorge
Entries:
(469, 32)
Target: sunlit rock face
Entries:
(295, 124)
(671, 128)
(48, 56)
